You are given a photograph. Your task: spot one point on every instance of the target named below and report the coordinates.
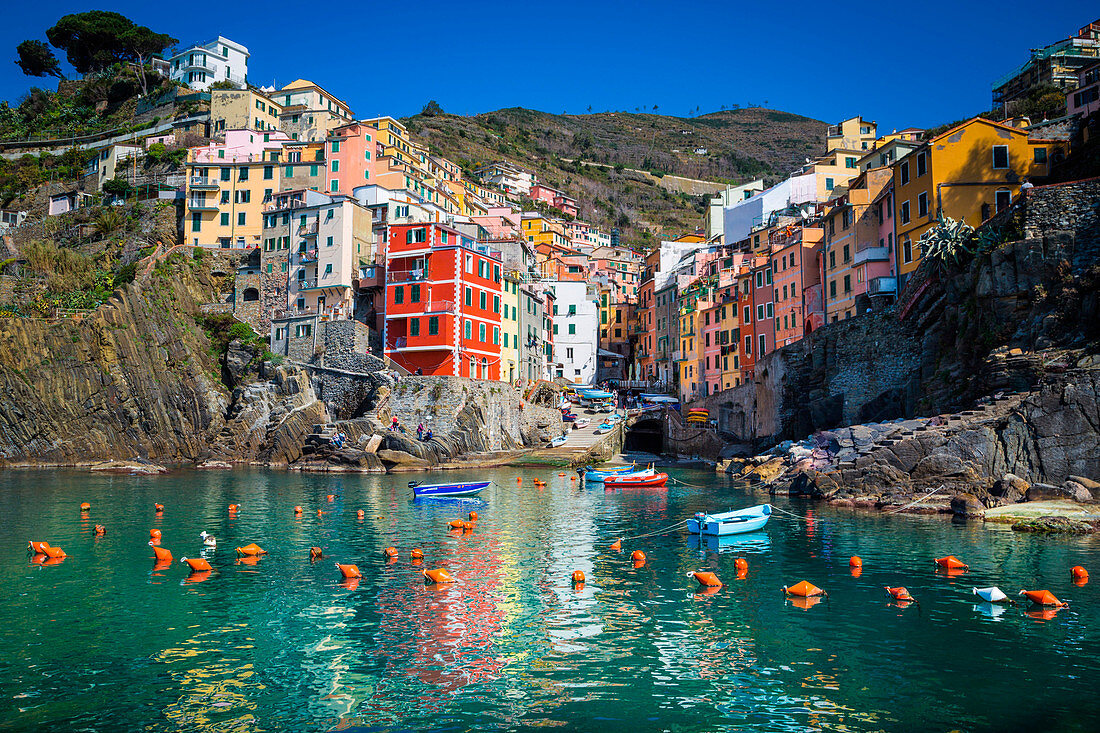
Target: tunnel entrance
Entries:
(646, 436)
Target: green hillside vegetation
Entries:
(592, 156)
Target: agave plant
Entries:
(947, 242)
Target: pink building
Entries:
(795, 268)
(352, 158)
(240, 146)
(554, 198)
(763, 305)
(712, 344)
(1085, 99)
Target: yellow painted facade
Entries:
(969, 172)
(510, 365)
(225, 201)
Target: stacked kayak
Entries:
(697, 415)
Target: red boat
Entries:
(657, 479)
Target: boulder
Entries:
(940, 467)
(397, 461)
(966, 505)
(767, 472)
(1077, 491)
(814, 484)
(1086, 482)
(1010, 489)
(1069, 490)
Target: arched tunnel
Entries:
(645, 435)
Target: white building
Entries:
(576, 330)
(511, 178)
(112, 161)
(712, 218)
(202, 64)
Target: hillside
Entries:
(740, 144)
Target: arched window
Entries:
(251, 294)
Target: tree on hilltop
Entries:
(98, 39)
(432, 109)
(36, 59)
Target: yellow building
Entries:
(242, 109)
(510, 365)
(854, 133)
(968, 173)
(309, 112)
(228, 184)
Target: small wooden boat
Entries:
(604, 428)
(628, 481)
(458, 489)
(600, 477)
(559, 441)
(735, 522)
(584, 422)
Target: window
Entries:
(468, 329)
(269, 172)
(847, 284)
(414, 326)
(243, 196)
(771, 312)
(433, 326)
(415, 236)
(849, 162)
(572, 328)
(496, 335)
(225, 174)
(832, 258)
(414, 293)
(481, 332)
(481, 300)
(922, 164)
(907, 250)
(832, 288)
(569, 353)
(313, 170)
(496, 306)
(1040, 155)
(828, 184)
(398, 295)
(1000, 157)
(470, 264)
(922, 204)
(748, 314)
(904, 172)
(1003, 199)
(469, 296)
(244, 174)
(334, 185)
(763, 345)
(196, 222)
(760, 312)
(289, 172)
(336, 146)
(224, 218)
(335, 166)
(905, 212)
(847, 253)
(748, 345)
(240, 219)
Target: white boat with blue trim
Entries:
(457, 489)
(729, 523)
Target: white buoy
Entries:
(992, 594)
(208, 539)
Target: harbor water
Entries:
(104, 640)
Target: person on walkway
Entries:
(393, 425)
(420, 431)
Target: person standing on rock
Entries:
(393, 425)
(420, 431)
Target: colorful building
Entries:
(309, 112)
(794, 257)
(242, 109)
(511, 364)
(443, 302)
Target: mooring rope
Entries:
(665, 530)
(917, 501)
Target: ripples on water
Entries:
(104, 640)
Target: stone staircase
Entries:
(319, 437)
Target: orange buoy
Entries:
(855, 561)
(637, 556)
(349, 571)
(417, 554)
(519, 479)
(39, 558)
(85, 507)
(1041, 598)
(803, 589)
(320, 513)
(951, 563)
(439, 575)
(297, 510)
(806, 602)
(39, 548)
(741, 564)
(315, 553)
(251, 550)
(856, 572)
(161, 554)
(708, 579)
(390, 552)
(561, 473)
(572, 478)
(1079, 573)
(158, 508)
(473, 516)
(233, 508)
(578, 577)
(331, 497)
(360, 514)
(467, 526)
(616, 545)
(100, 530)
(900, 594)
(197, 564)
(154, 534)
(54, 553)
(455, 524)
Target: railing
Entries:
(307, 230)
(404, 276)
(204, 181)
(882, 286)
(306, 284)
(291, 204)
(872, 254)
(307, 256)
(440, 306)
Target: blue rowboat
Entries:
(594, 394)
(463, 489)
(599, 477)
(736, 522)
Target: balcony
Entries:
(407, 276)
(675, 355)
(308, 256)
(882, 286)
(204, 184)
(309, 230)
(872, 254)
(202, 205)
(440, 306)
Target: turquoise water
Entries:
(103, 641)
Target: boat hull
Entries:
(464, 489)
(600, 476)
(623, 482)
(724, 525)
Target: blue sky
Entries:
(899, 64)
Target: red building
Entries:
(442, 302)
(763, 302)
(747, 345)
